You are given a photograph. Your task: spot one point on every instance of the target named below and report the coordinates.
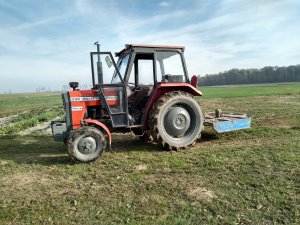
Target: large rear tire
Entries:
(176, 120)
(86, 144)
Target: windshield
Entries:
(104, 69)
(121, 65)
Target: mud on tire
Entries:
(176, 120)
(86, 144)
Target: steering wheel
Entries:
(136, 86)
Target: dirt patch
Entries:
(4, 121)
(44, 127)
(29, 141)
(3, 163)
(141, 167)
(286, 99)
(20, 180)
(33, 184)
(201, 194)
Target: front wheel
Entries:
(86, 144)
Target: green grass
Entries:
(250, 90)
(18, 103)
(244, 177)
(26, 120)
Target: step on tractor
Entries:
(148, 92)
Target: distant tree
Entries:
(268, 74)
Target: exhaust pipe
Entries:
(99, 65)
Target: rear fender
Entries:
(101, 126)
(163, 88)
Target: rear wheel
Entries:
(176, 120)
(86, 144)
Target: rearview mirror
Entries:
(108, 61)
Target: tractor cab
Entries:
(125, 86)
(140, 65)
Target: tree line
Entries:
(268, 74)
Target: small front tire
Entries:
(86, 144)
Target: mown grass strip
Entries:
(18, 103)
(30, 121)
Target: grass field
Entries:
(18, 103)
(244, 177)
(251, 90)
(21, 111)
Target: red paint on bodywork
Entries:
(194, 81)
(78, 115)
(110, 91)
(180, 86)
(102, 125)
(163, 88)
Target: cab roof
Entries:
(155, 46)
(130, 46)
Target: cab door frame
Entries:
(118, 119)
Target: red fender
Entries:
(162, 88)
(194, 81)
(102, 125)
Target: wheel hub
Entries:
(177, 121)
(87, 145)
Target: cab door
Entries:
(109, 83)
(140, 83)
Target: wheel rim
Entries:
(87, 145)
(177, 121)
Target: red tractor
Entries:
(147, 91)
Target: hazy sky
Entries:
(47, 43)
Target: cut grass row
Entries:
(18, 103)
(30, 119)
